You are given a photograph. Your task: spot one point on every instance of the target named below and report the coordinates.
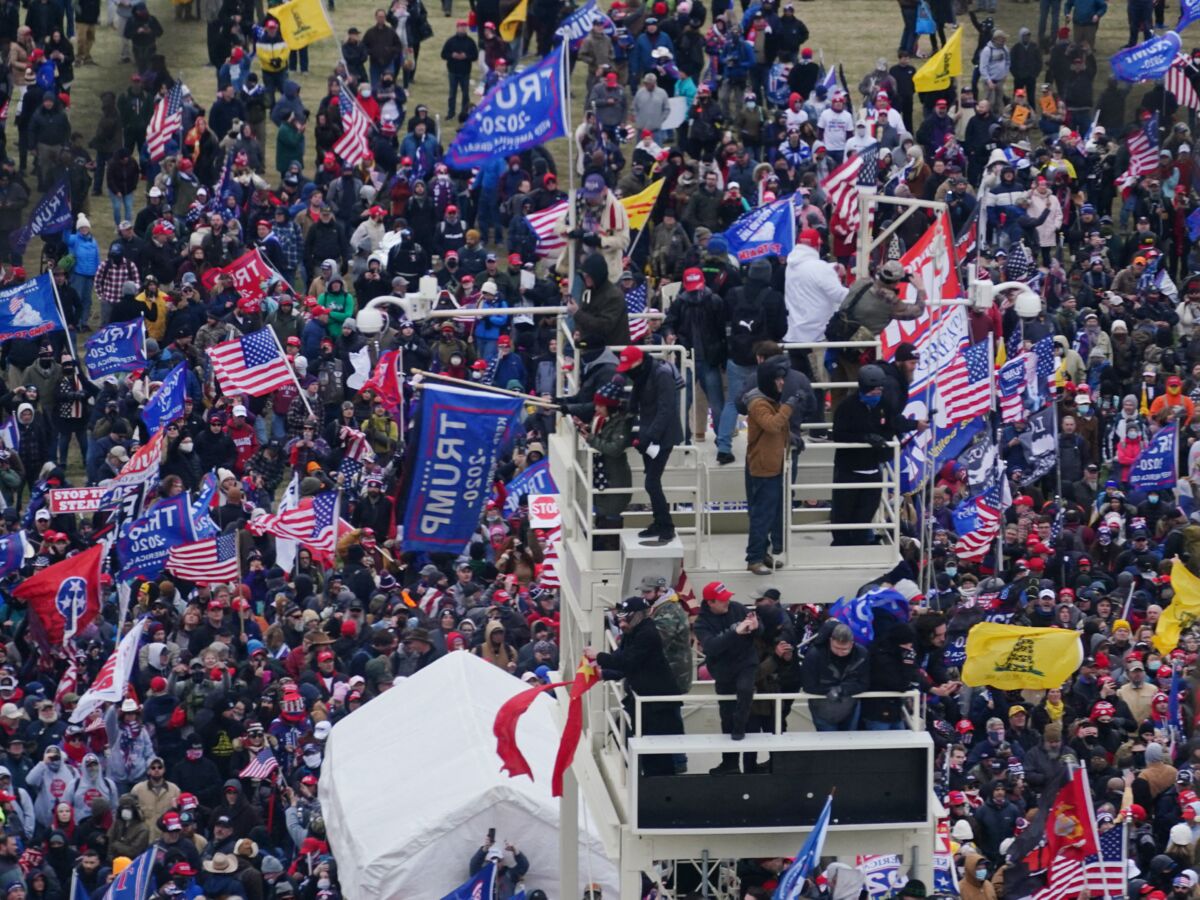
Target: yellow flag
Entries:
(1012, 657)
(638, 206)
(302, 22)
(514, 20)
(946, 63)
(1183, 610)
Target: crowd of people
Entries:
(1023, 147)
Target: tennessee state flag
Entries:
(1071, 825)
(65, 596)
(505, 726)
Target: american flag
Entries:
(1012, 381)
(1177, 82)
(1019, 266)
(1066, 879)
(842, 187)
(68, 683)
(211, 561)
(549, 244)
(352, 146)
(261, 767)
(314, 525)
(165, 123)
(1143, 153)
(963, 384)
(427, 602)
(251, 365)
(985, 525)
(550, 577)
(635, 302)
(1104, 873)
(355, 444)
(1044, 364)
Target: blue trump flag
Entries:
(480, 886)
(859, 612)
(167, 403)
(12, 553)
(1193, 225)
(136, 881)
(522, 111)
(792, 883)
(29, 310)
(459, 433)
(766, 231)
(575, 27)
(1147, 61)
(1155, 465)
(915, 457)
(1189, 12)
(50, 216)
(145, 543)
(116, 348)
(535, 479)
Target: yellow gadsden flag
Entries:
(639, 206)
(945, 64)
(1012, 657)
(1183, 611)
(302, 22)
(514, 20)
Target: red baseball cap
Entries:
(324, 655)
(810, 237)
(693, 279)
(630, 358)
(716, 590)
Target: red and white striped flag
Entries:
(964, 383)
(635, 304)
(429, 601)
(549, 576)
(69, 683)
(549, 243)
(1143, 153)
(314, 524)
(262, 767)
(1066, 879)
(687, 597)
(352, 147)
(356, 446)
(251, 365)
(1177, 82)
(212, 561)
(165, 123)
(842, 189)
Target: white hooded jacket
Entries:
(813, 292)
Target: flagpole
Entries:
(290, 368)
(473, 385)
(63, 319)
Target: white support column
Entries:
(568, 837)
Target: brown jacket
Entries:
(767, 436)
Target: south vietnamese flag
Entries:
(65, 596)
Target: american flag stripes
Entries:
(963, 384)
(976, 543)
(1104, 873)
(1019, 266)
(687, 597)
(1143, 153)
(550, 577)
(1066, 879)
(313, 525)
(1177, 82)
(211, 561)
(262, 767)
(428, 602)
(251, 365)
(635, 302)
(352, 147)
(842, 188)
(165, 123)
(1012, 381)
(549, 244)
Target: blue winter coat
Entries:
(86, 252)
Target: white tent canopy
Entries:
(412, 783)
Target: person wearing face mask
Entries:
(974, 884)
(51, 778)
(198, 775)
(860, 418)
(129, 835)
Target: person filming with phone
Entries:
(511, 864)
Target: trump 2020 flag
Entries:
(1013, 657)
(480, 886)
(167, 403)
(136, 881)
(522, 111)
(12, 552)
(859, 612)
(1189, 12)
(50, 216)
(766, 231)
(29, 310)
(1147, 61)
(575, 27)
(1155, 465)
(535, 479)
(807, 860)
(145, 545)
(1012, 381)
(120, 347)
(459, 433)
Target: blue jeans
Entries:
(489, 215)
(850, 725)
(870, 725)
(486, 348)
(122, 207)
(908, 39)
(378, 71)
(764, 498)
(1049, 10)
(64, 445)
(741, 379)
(459, 83)
(298, 59)
(279, 427)
(709, 377)
(83, 287)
